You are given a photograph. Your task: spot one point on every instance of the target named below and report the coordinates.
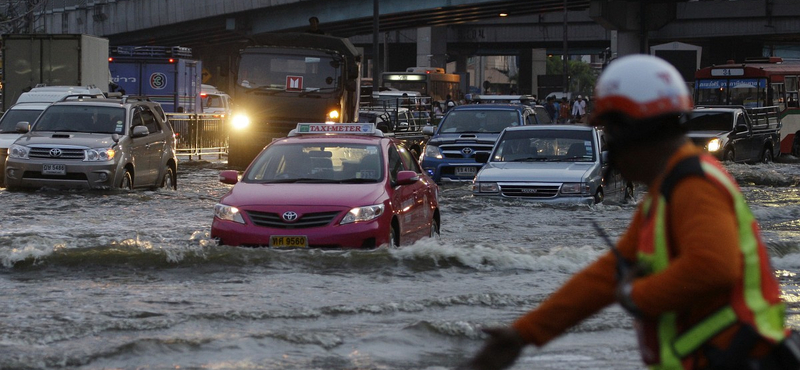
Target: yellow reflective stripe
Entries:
(667, 330)
(764, 314)
(660, 235)
(703, 331)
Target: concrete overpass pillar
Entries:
(432, 47)
(532, 63)
(632, 20)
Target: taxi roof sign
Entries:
(336, 128)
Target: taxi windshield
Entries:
(317, 163)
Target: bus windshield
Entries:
(749, 92)
(287, 72)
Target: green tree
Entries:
(581, 75)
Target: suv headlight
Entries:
(18, 151)
(99, 155)
(485, 187)
(360, 214)
(575, 188)
(240, 121)
(228, 213)
(433, 151)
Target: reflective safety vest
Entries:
(755, 300)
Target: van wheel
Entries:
(127, 181)
(766, 155)
(599, 196)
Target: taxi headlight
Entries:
(240, 121)
(98, 155)
(18, 151)
(433, 151)
(228, 213)
(713, 145)
(485, 187)
(360, 214)
(575, 188)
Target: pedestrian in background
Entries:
(692, 268)
(550, 107)
(578, 109)
(564, 111)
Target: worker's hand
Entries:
(625, 289)
(499, 352)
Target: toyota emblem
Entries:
(289, 216)
(466, 151)
(55, 152)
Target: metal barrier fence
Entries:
(199, 134)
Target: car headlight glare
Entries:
(240, 121)
(333, 115)
(18, 151)
(432, 151)
(99, 154)
(713, 145)
(228, 213)
(360, 214)
(485, 187)
(575, 188)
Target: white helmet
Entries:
(641, 86)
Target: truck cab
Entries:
(736, 133)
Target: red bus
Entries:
(758, 82)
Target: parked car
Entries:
(449, 155)
(551, 164)
(95, 143)
(23, 112)
(329, 186)
(735, 133)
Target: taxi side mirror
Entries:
(406, 178)
(229, 177)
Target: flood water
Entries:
(131, 280)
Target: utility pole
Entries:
(565, 74)
(376, 70)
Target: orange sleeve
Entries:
(581, 296)
(706, 261)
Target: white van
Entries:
(215, 101)
(49, 94)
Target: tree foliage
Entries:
(581, 75)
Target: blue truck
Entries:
(165, 74)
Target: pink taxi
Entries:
(329, 186)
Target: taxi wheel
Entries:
(435, 229)
(127, 181)
(394, 240)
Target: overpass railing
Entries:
(199, 135)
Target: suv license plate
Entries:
(283, 241)
(54, 169)
(465, 171)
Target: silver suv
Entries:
(95, 143)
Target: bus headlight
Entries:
(713, 145)
(240, 121)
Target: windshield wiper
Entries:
(356, 180)
(302, 179)
(264, 90)
(576, 158)
(534, 159)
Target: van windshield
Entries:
(82, 118)
(13, 116)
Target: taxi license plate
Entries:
(283, 241)
(465, 171)
(54, 169)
